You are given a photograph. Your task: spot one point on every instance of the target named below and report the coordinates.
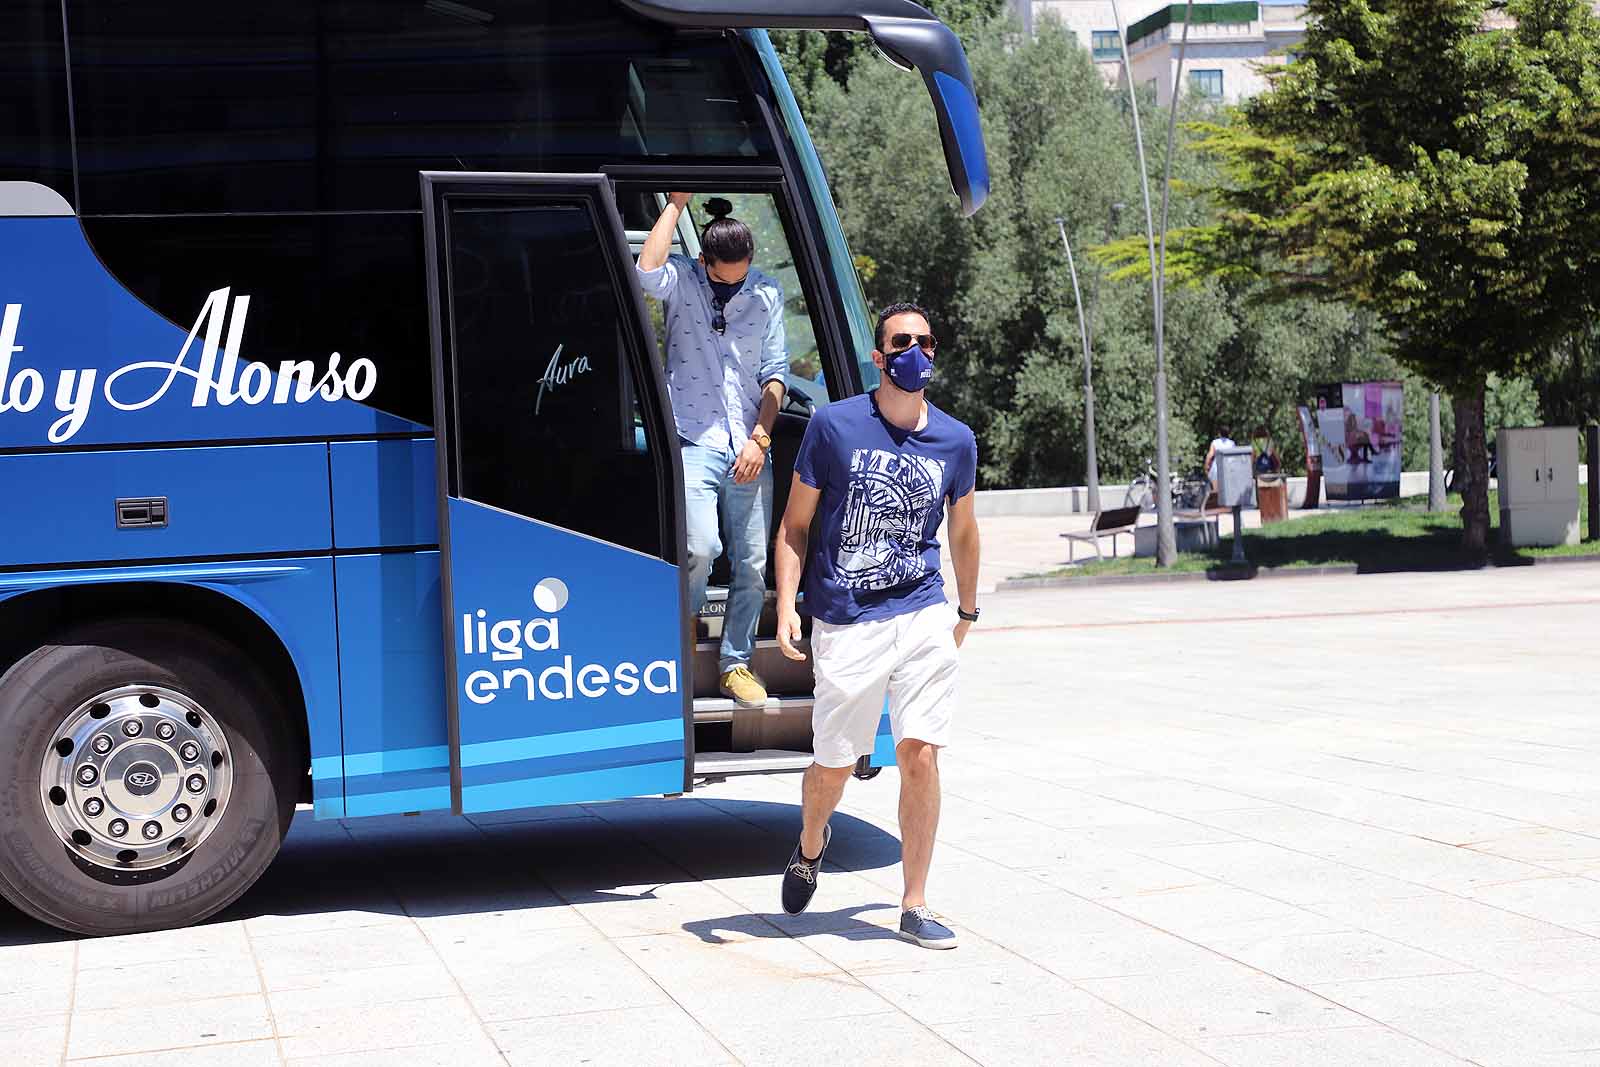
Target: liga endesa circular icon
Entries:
(550, 595)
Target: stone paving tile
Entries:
(1221, 999)
(369, 985)
(1306, 959)
(233, 1054)
(1477, 1016)
(165, 985)
(994, 991)
(665, 1035)
(37, 1039)
(284, 958)
(478, 1051)
(112, 1031)
(1328, 1048)
(889, 1039)
(562, 977)
(322, 1031)
(1092, 1035)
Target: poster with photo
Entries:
(1357, 430)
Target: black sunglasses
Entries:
(718, 322)
(901, 341)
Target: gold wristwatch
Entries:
(762, 438)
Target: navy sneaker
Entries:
(919, 926)
(800, 878)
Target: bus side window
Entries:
(549, 405)
(35, 145)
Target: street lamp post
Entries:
(1088, 376)
(1166, 536)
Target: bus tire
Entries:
(147, 777)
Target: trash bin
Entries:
(1272, 497)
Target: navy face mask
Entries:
(724, 290)
(910, 370)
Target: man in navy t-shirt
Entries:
(877, 472)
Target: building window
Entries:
(1106, 44)
(1208, 83)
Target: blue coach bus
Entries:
(333, 423)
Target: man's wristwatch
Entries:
(969, 616)
(762, 438)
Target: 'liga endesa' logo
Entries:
(512, 640)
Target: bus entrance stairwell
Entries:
(730, 739)
(560, 524)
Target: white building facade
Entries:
(1228, 43)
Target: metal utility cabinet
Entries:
(1538, 472)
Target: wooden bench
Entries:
(1108, 523)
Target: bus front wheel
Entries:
(147, 776)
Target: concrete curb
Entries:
(1224, 573)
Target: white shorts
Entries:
(911, 659)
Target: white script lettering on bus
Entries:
(219, 374)
(518, 640)
(557, 374)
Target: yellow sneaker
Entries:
(744, 688)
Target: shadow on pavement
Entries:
(434, 865)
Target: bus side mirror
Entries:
(934, 49)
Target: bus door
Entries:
(560, 521)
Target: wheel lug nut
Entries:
(93, 807)
(88, 775)
(151, 830)
(117, 827)
(101, 744)
(196, 783)
(133, 727)
(165, 731)
(181, 813)
(190, 752)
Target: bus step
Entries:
(781, 675)
(721, 709)
(721, 725)
(715, 765)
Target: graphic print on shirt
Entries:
(886, 508)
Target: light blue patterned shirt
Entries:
(716, 379)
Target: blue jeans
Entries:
(745, 513)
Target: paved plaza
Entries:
(1300, 821)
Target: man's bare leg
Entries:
(820, 792)
(919, 815)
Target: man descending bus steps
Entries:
(879, 470)
(726, 364)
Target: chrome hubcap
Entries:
(136, 778)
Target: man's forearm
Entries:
(771, 397)
(788, 555)
(964, 554)
(659, 244)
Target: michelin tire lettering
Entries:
(220, 375)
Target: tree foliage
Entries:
(1011, 360)
(1442, 173)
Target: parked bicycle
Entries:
(1188, 492)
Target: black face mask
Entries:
(724, 290)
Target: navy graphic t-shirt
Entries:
(883, 497)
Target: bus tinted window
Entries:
(317, 284)
(34, 141)
(191, 106)
(544, 385)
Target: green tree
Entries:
(1433, 172)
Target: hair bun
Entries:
(718, 208)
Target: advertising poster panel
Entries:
(1357, 431)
